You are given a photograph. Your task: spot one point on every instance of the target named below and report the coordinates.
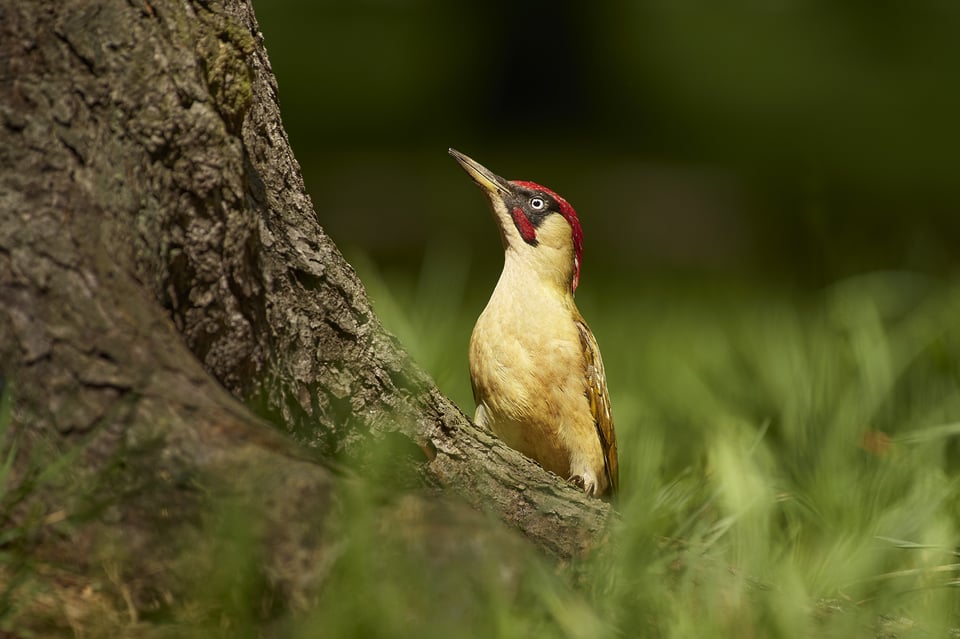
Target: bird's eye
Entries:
(537, 203)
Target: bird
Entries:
(535, 366)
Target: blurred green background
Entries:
(792, 139)
(774, 145)
(770, 210)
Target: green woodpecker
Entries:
(535, 366)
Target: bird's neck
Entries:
(531, 275)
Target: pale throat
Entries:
(533, 271)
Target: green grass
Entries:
(789, 459)
(790, 468)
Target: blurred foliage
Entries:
(797, 140)
(789, 459)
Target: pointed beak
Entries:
(489, 181)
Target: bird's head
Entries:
(536, 224)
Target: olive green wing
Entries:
(599, 398)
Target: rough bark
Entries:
(162, 270)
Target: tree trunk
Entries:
(169, 300)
